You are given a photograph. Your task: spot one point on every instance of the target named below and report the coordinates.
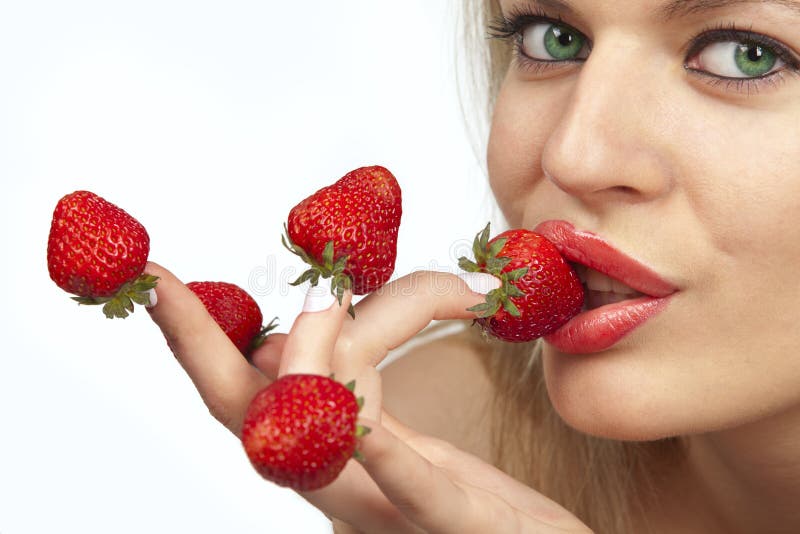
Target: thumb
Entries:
(417, 488)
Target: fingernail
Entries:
(480, 282)
(153, 298)
(319, 297)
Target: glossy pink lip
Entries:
(599, 329)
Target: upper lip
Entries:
(593, 251)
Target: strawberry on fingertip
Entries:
(300, 431)
(347, 231)
(97, 252)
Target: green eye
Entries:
(738, 59)
(562, 43)
(754, 60)
(546, 41)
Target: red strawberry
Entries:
(540, 291)
(235, 312)
(348, 231)
(98, 252)
(300, 430)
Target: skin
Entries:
(684, 173)
(672, 172)
(410, 482)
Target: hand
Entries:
(408, 482)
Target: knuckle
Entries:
(220, 411)
(340, 527)
(354, 348)
(437, 452)
(411, 505)
(409, 284)
(345, 343)
(380, 452)
(430, 283)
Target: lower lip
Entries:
(601, 328)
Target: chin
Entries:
(612, 395)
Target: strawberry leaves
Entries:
(539, 291)
(121, 304)
(347, 231)
(259, 339)
(361, 430)
(487, 260)
(330, 267)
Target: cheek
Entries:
(520, 126)
(744, 192)
(743, 188)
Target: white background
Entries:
(207, 121)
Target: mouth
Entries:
(621, 293)
(601, 290)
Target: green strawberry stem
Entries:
(262, 334)
(329, 268)
(487, 261)
(361, 430)
(120, 305)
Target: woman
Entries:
(661, 141)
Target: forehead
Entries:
(658, 9)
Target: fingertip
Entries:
(165, 278)
(312, 338)
(174, 307)
(480, 283)
(152, 299)
(155, 269)
(319, 297)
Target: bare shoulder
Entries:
(441, 387)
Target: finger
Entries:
(309, 347)
(471, 471)
(393, 425)
(222, 376)
(340, 527)
(401, 309)
(418, 489)
(267, 357)
(354, 498)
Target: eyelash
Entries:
(729, 32)
(510, 28)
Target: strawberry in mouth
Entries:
(621, 293)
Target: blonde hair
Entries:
(605, 483)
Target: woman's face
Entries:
(668, 131)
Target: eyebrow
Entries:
(679, 8)
(558, 5)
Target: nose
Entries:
(608, 143)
